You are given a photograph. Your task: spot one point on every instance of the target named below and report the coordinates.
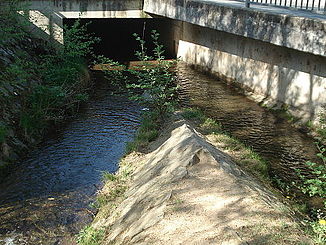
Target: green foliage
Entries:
(247, 158)
(106, 176)
(157, 80)
(45, 104)
(206, 124)
(118, 190)
(90, 236)
(154, 88)
(3, 132)
(18, 70)
(12, 24)
(115, 77)
(62, 74)
(58, 76)
(148, 131)
(319, 231)
(315, 184)
(194, 114)
(322, 125)
(210, 126)
(78, 43)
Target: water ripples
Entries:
(271, 136)
(57, 181)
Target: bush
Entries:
(155, 86)
(12, 25)
(157, 81)
(62, 85)
(315, 183)
(3, 132)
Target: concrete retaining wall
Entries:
(282, 74)
(304, 32)
(47, 16)
(280, 57)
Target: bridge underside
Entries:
(47, 16)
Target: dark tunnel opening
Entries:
(117, 40)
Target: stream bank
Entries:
(40, 87)
(259, 130)
(48, 195)
(186, 191)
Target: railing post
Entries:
(247, 3)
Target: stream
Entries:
(46, 199)
(266, 132)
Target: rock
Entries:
(189, 192)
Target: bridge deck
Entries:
(279, 10)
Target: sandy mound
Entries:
(188, 192)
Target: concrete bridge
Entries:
(278, 53)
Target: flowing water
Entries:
(267, 133)
(46, 198)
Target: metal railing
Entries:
(313, 5)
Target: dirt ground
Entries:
(186, 191)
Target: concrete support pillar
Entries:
(47, 25)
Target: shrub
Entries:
(3, 132)
(62, 85)
(157, 80)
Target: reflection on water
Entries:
(271, 136)
(47, 198)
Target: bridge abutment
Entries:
(280, 57)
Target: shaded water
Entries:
(46, 199)
(267, 133)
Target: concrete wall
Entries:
(283, 74)
(281, 58)
(292, 29)
(47, 16)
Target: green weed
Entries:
(3, 132)
(315, 184)
(147, 132)
(106, 176)
(210, 126)
(246, 156)
(319, 230)
(322, 125)
(90, 236)
(62, 87)
(194, 114)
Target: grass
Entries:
(194, 114)
(115, 185)
(321, 128)
(253, 163)
(106, 176)
(244, 155)
(147, 132)
(90, 236)
(109, 198)
(319, 228)
(118, 186)
(3, 132)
